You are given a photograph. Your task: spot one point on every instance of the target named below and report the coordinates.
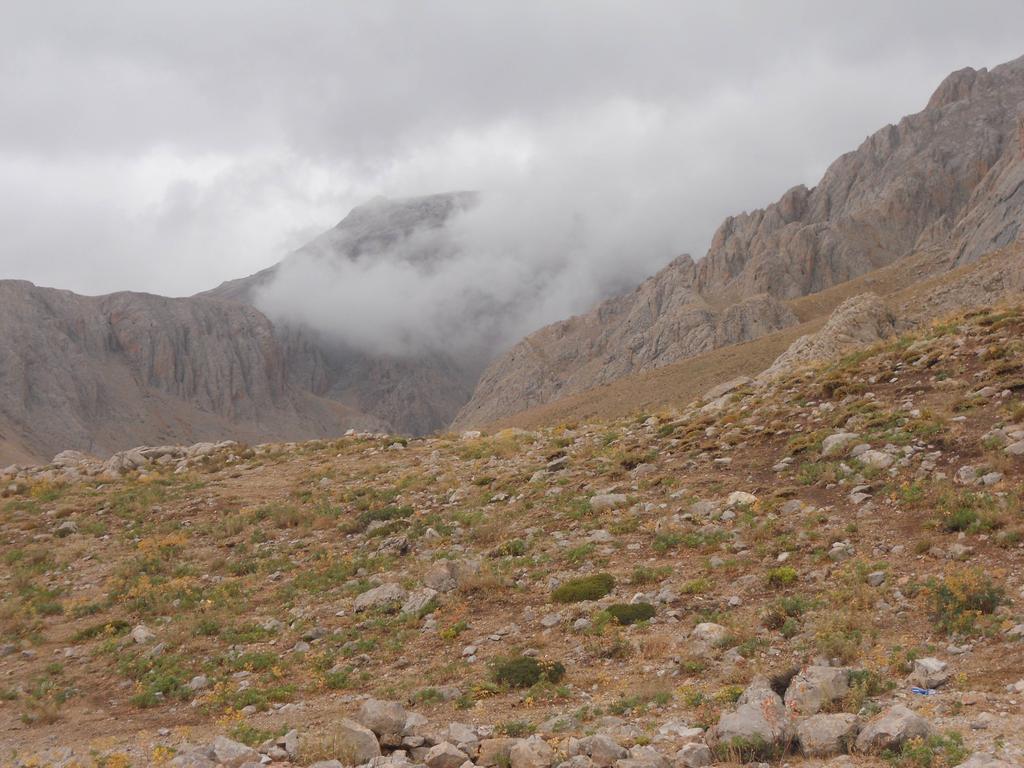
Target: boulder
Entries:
(602, 749)
(384, 718)
(740, 499)
(604, 502)
(826, 735)
(356, 741)
(386, 595)
(230, 753)
(419, 599)
(710, 633)
(494, 752)
(760, 720)
(929, 672)
(815, 687)
(891, 729)
(876, 459)
(445, 755)
(834, 444)
(694, 755)
(533, 752)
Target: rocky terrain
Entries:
(950, 177)
(821, 566)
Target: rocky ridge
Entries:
(949, 177)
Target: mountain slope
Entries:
(950, 176)
(838, 535)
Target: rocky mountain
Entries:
(950, 177)
(413, 394)
(101, 374)
(104, 373)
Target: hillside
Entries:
(950, 177)
(759, 576)
(917, 289)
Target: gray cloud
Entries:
(166, 146)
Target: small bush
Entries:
(782, 576)
(961, 598)
(586, 588)
(626, 613)
(748, 750)
(935, 751)
(525, 671)
(644, 575)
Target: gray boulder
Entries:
(761, 719)
(826, 735)
(356, 742)
(694, 755)
(384, 596)
(815, 687)
(230, 753)
(533, 752)
(445, 755)
(384, 718)
(602, 749)
(891, 729)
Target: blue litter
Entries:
(924, 691)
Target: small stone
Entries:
(142, 634)
(605, 502)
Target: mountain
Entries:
(411, 393)
(948, 177)
(101, 374)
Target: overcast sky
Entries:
(166, 146)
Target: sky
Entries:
(167, 146)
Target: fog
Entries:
(168, 146)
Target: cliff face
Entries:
(950, 176)
(104, 373)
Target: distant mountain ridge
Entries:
(950, 176)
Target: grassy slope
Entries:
(232, 566)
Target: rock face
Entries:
(860, 320)
(104, 373)
(949, 177)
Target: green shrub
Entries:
(961, 598)
(935, 751)
(782, 576)
(631, 613)
(585, 588)
(525, 671)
